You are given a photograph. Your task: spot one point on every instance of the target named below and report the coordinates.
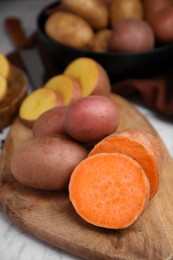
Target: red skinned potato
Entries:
(46, 162)
(50, 123)
(67, 86)
(132, 35)
(162, 24)
(92, 77)
(91, 118)
(38, 102)
(151, 7)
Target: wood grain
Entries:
(50, 216)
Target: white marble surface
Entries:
(14, 243)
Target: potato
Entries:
(4, 66)
(69, 29)
(101, 40)
(69, 87)
(151, 7)
(91, 118)
(93, 11)
(38, 102)
(132, 35)
(91, 76)
(3, 88)
(120, 10)
(50, 123)
(162, 24)
(46, 162)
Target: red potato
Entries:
(91, 118)
(151, 7)
(162, 24)
(132, 35)
(50, 123)
(92, 77)
(68, 87)
(46, 162)
(38, 102)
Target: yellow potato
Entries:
(125, 9)
(94, 12)
(4, 66)
(3, 87)
(101, 40)
(69, 29)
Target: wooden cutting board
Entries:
(50, 216)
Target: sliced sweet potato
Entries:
(109, 190)
(142, 146)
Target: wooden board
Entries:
(50, 216)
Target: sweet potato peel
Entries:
(142, 146)
(109, 190)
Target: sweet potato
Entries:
(91, 118)
(69, 29)
(109, 190)
(46, 162)
(50, 123)
(142, 146)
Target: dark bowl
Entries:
(119, 66)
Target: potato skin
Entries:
(69, 29)
(46, 162)
(162, 24)
(132, 35)
(120, 10)
(93, 11)
(151, 7)
(101, 40)
(50, 123)
(91, 118)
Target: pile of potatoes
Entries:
(67, 116)
(61, 139)
(112, 25)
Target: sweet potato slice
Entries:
(109, 190)
(142, 146)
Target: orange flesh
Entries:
(109, 190)
(135, 150)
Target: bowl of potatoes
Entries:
(130, 38)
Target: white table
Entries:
(15, 244)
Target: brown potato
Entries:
(46, 162)
(69, 29)
(91, 118)
(120, 10)
(101, 40)
(132, 35)
(50, 123)
(93, 11)
(162, 24)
